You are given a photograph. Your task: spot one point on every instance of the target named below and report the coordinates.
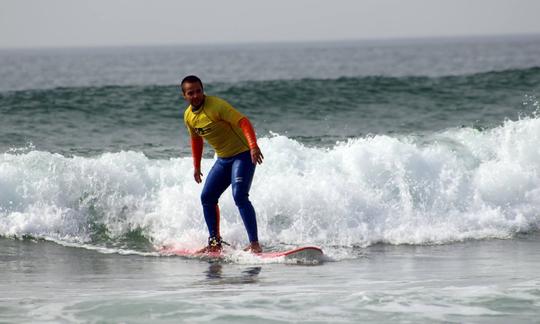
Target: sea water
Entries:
(413, 164)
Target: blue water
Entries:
(413, 164)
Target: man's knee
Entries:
(208, 198)
(241, 198)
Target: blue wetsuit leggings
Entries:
(237, 170)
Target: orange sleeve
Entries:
(249, 132)
(196, 151)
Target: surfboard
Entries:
(305, 253)
(300, 254)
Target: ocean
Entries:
(414, 165)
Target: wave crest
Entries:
(451, 186)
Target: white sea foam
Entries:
(452, 186)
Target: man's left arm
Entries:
(249, 133)
(233, 116)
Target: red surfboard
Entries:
(305, 253)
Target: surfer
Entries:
(233, 138)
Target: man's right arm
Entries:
(196, 151)
(196, 148)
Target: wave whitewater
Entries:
(449, 186)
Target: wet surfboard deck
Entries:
(300, 254)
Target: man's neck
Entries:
(197, 108)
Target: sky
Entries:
(75, 23)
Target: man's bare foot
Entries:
(254, 247)
(203, 250)
(214, 245)
(209, 249)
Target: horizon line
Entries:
(282, 42)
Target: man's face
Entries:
(193, 93)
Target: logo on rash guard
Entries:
(202, 131)
(238, 179)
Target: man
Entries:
(232, 136)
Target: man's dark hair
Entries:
(191, 79)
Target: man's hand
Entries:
(256, 155)
(197, 175)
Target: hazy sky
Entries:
(52, 23)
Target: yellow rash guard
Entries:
(217, 122)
